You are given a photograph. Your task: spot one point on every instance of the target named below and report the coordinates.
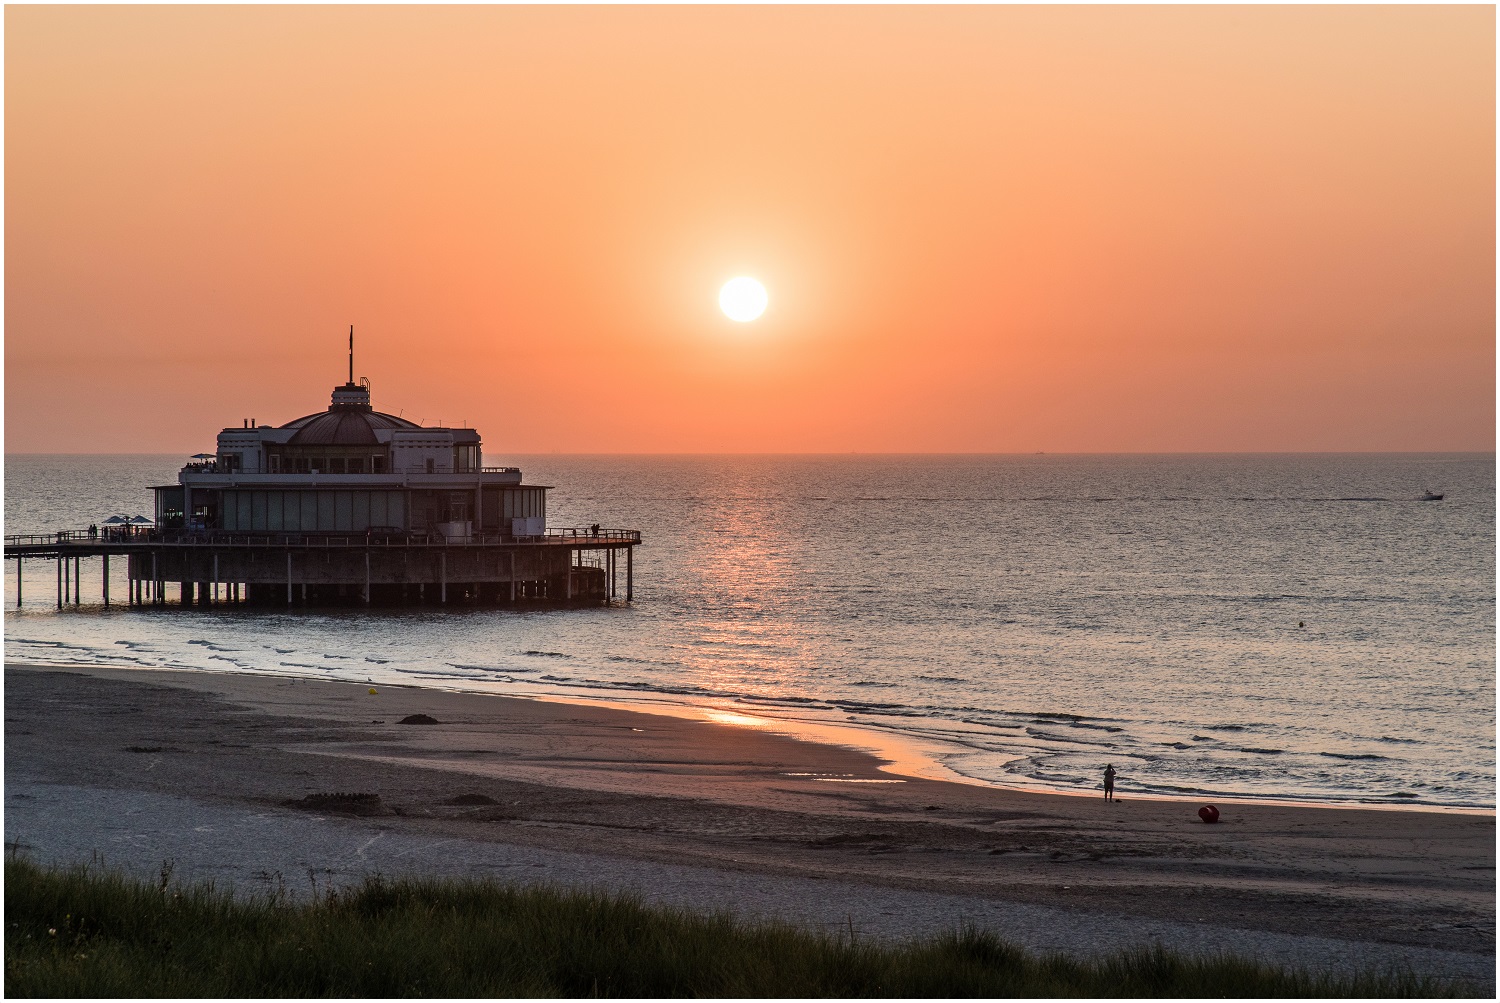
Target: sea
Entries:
(1296, 627)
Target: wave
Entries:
(490, 668)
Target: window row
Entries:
(312, 511)
(374, 464)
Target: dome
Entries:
(342, 428)
(349, 421)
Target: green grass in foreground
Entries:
(83, 933)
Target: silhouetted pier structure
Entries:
(344, 505)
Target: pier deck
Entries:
(578, 565)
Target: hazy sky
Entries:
(982, 228)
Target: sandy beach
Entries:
(631, 791)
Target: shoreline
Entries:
(629, 785)
(927, 766)
(904, 755)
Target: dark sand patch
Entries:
(418, 719)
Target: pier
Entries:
(578, 566)
(346, 505)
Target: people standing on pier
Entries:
(1109, 782)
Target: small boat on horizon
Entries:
(1430, 496)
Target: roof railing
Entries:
(210, 467)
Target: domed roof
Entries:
(350, 421)
(343, 428)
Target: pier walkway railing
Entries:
(118, 541)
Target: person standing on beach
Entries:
(1109, 782)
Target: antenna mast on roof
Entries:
(351, 354)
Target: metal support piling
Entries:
(629, 573)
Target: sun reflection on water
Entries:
(730, 717)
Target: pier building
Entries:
(349, 504)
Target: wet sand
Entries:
(638, 789)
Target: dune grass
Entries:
(86, 932)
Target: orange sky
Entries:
(982, 229)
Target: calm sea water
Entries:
(1283, 626)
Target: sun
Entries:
(743, 299)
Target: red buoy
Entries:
(1208, 813)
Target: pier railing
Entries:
(571, 535)
(76, 536)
